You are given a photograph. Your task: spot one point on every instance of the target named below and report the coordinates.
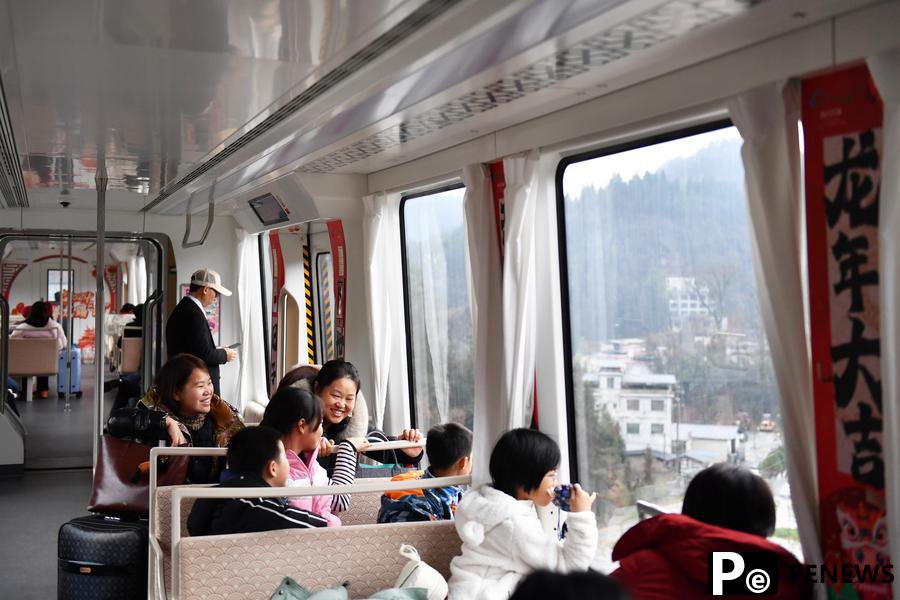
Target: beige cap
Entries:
(211, 279)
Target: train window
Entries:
(57, 281)
(661, 297)
(439, 325)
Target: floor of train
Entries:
(56, 487)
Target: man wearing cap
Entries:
(187, 330)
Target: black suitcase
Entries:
(101, 558)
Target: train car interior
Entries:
(664, 233)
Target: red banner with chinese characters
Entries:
(277, 262)
(339, 258)
(842, 117)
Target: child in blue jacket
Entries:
(449, 451)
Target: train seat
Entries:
(251, 565)
(32, 357)
(363, 511)
(131, 355)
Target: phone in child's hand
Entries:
(562, 495)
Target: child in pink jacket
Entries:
(297, 414)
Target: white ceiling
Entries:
(163, 87)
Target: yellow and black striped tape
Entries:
(307, 292)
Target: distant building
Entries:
(686, 300)
(640, 402)
(708, 444)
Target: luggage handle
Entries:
(81, 567)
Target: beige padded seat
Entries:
(30, 357)
(249, 566)
(363, 511)
(131, 355)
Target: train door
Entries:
(303, 286)
(62, 391)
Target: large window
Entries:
(658, 273)
(439, 330)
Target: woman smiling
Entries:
(182, 408)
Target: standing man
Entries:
(187, 329)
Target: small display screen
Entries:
(269, 210)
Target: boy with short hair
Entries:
(449, 451)
(257, 458)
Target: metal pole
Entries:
(69, 330)
(101, 181)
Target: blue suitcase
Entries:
(75, 387)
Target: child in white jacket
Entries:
(502, 536)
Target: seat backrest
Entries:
(252, 565)
(363, 509)
(162, 528)
(33, 356)
(131, 355)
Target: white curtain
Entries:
(253, 368)
(140, 279)
(132, 281)
(485, 297)
(519, 296)
(767, 118)
(429, 331)
(886, 72)
(384, 290)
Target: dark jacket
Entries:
(338, 432)
(146, 423)
(668, 557)
(431, 504)
(187, 331)
(248, 515)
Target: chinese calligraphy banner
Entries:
(842, 117)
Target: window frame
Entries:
(628, 427)
(562, 247)
(657, 402)
(407, 321)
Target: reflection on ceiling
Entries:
(157, 86)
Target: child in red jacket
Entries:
(725, 509)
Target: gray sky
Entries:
(599, 171)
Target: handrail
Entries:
(147, 343)
(4, 332)
(648, 509)
(394, 445)
(291, 492)
(157, 573)
(209, 220)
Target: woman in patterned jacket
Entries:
(182, 408)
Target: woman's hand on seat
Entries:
(176, 438)
(411, 435)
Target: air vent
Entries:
(639, 33)
(404, 29)
(12, 186)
